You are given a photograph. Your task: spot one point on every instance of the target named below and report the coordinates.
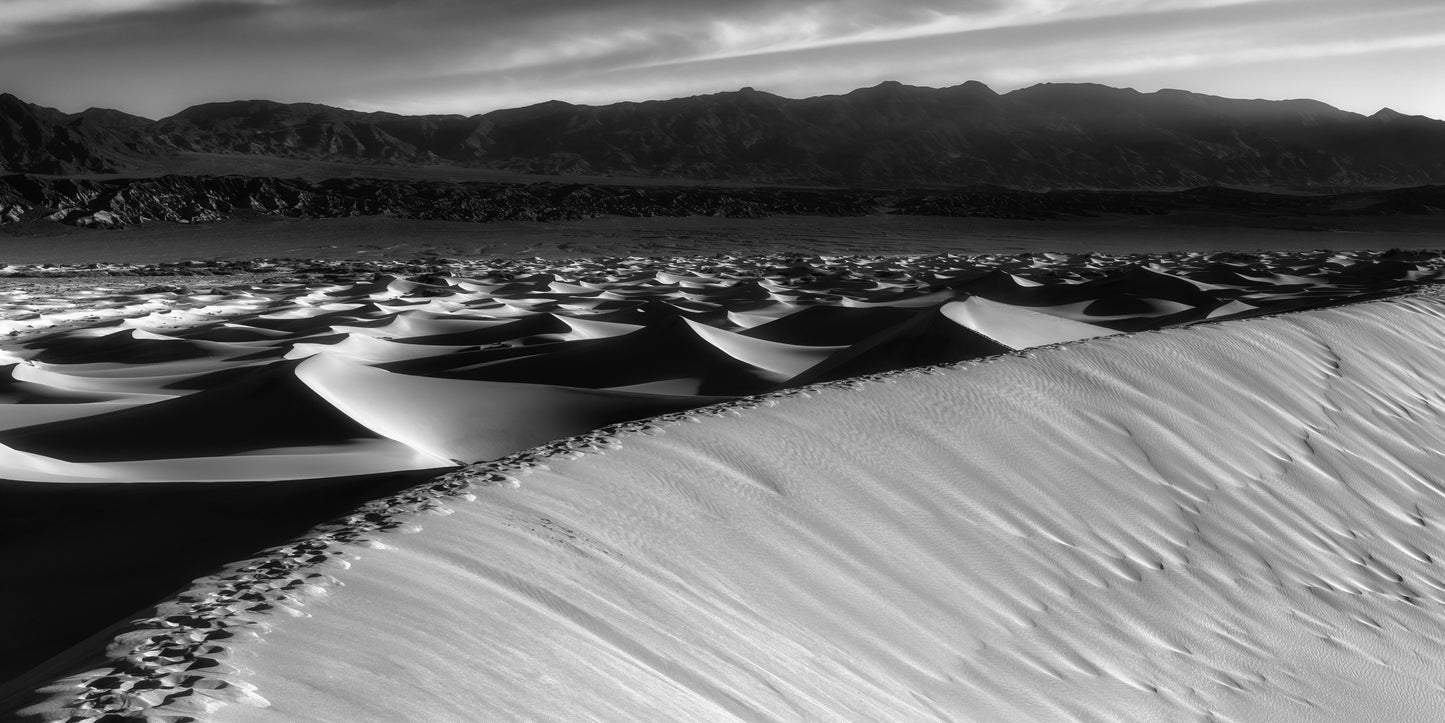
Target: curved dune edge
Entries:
(1374, 579)
(348, 373)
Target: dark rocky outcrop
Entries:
(112, 203)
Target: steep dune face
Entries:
(897, 498)
(296, 381)
(1236, 522)
(461, 420)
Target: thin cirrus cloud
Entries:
(154, 57)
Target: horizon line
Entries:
(743, 89)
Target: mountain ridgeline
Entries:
(1045, 136)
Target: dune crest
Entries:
(457, 420)
(1019, 327)
(1231, 521)
(1061, 536)
(218, 384)
(299, 397)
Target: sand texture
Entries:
(1231, 521)
(301, 380)
(1226, 520)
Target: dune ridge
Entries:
(292, 397)
(397, 373)
(1229, 521)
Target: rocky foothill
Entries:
(115, 203)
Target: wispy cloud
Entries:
(17, 16)
(156, 56)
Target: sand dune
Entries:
(1230, 521)
(1016, 539)
(456, 420)
(1019, 327)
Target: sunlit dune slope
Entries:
(1229, 522)
(296, 380)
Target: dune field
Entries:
(847, 361)
(771, 487)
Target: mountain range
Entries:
(891, 135)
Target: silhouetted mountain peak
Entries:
(889, 89)
(13, 107)
(1060, 93)
(887, 86)
(747, 93)
(108, 118)
(1390, 115)
(1049, 135)
(261, 111)
(973, 87)
(38, 139)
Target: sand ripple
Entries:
(304, 380)
(915, 548)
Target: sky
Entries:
(156, 57)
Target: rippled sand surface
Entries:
(810, 534)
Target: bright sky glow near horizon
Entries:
(155, 57)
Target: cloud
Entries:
(156, 56)
(29, 21)
(1243, 36)
(17, 16)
